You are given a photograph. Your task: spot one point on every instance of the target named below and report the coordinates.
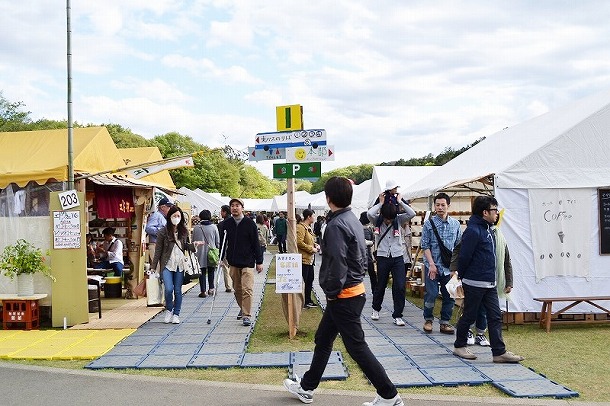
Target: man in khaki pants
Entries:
(243, 254)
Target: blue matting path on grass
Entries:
(411, 357)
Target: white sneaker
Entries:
(470, 339)
(294, 387)
(168, 317)
(481, 340)
(375, 315)
(395, 401)
(175, 319)
(399, 321)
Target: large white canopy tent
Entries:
(403, 175)
(543, 162)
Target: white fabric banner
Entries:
(171, 164)
(560, 224)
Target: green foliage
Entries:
(254, 184)
(441, 159)
(303, 185)
(23, 258)
(12, 116)
(357, 173)
(123, 137)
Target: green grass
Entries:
(574, 356)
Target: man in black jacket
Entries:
(341, 278)
(243, 253)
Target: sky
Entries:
(385, 79)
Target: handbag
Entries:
(446, 253)
(140, 289)
(190, 263)
(454, 287)
(213, 253)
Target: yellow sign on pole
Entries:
(289, 118)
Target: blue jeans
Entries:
(474, 298)
(342, 316)
(172, 286)
(117, 266)
(396, 267)
(431, 295)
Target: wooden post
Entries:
(291, 245)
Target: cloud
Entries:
(389, 81)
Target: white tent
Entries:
(200, 202)
(280, 203)
(545, 173)
(257, 204)
(404, 176)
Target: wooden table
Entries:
(21, 309)
(546, 314)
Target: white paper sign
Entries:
(68, 199)
(288, 274)
(560, 227)
(66, 229)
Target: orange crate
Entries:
(20, 311)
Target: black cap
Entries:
(165, 202)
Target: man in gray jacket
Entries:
(341, 278)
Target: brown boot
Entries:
(428, 326)
(446, 329)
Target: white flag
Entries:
(149, 170)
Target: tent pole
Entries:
(70, 123)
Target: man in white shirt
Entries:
(111, 252)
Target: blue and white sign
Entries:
(286, 139)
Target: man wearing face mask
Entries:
(243, 254)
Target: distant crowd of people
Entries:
(378, 242)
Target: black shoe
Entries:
(239, 315)
(310, 305)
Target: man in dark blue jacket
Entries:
(341, 278)
(243, 253)
(477, 269)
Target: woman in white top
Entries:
(172, 243)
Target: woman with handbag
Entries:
(205, 237)
(172, 248)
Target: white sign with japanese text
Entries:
(288, 274)
(66, 229)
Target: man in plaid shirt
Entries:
(435, 271)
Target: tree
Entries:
(12, 116)
(303, 185)
(357, 173)
(254, 184)
(124, 137)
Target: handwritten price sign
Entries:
(288, 275)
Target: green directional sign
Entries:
(297, 170)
